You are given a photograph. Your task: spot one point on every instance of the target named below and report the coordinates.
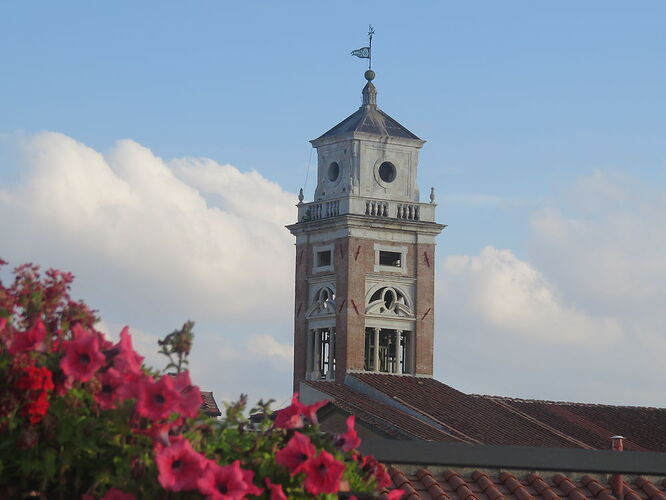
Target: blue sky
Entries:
(527, 107)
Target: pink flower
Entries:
(370, 466)
(296, 453)
(310, 412)
(126, 360)
(116, 494)
(323, 474)
(110, 392)
(190, 395)
(82, 355)
(252, 489)
(277, 493)
(290, 417)
(349, 440)
(223, 482)
(157, 399)
(30, 340)
(179, 466)
(394, 494)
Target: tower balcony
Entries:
(372, 207)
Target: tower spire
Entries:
(369, 91)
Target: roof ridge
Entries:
(435, 419)
(543, 425)
(572, 403)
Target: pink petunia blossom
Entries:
(110, 392)
(277, 493)
(223, 482)
(310, 412)
(179, 466)
(296, 453)
(116, 494)
(290, 417)
(349, 440)
(157, 400)
(323, 474)
(30, 340)
(126, 360)
(82, 355)
(190, 395)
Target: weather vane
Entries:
(366, 52)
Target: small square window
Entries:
(324, 258)
(392, 259)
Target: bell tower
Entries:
(365, 253)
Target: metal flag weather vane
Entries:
(366, 52)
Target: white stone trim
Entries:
(391, 269)
(322, 248)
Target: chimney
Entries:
(616, 482)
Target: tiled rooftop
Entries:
(208, 404)
(390, 421)
(485, 485)
(423, 408)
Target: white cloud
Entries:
(581, 317)
(155, 243)
(513, 298)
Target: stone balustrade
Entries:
(359, 205)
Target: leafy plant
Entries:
(82, 417)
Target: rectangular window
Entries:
(392, 259)
(324, 258)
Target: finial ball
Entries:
(369, 75)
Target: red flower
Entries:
(179, 466)
(277, 493)
(290, 417)
(323, 474)
(349, 440)
(126, 360)
(394, 494)
(310, 412)
(157, 399)
(35, 379)
(116, 494)
(30, 340)
(252, 489)
(82, 355)
(370, 466)
(190, 395)
(110, 392)
(36, 408)
(223, 482)
(296, 453)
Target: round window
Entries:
(387, 171)
(333, 172)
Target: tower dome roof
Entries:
(369, 118)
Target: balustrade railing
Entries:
(358, 205)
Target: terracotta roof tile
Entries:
(509, 421)
(484, 485)
(644, 428)
(479, 418)
(208, 405)
(392, 421)
(649, 489)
